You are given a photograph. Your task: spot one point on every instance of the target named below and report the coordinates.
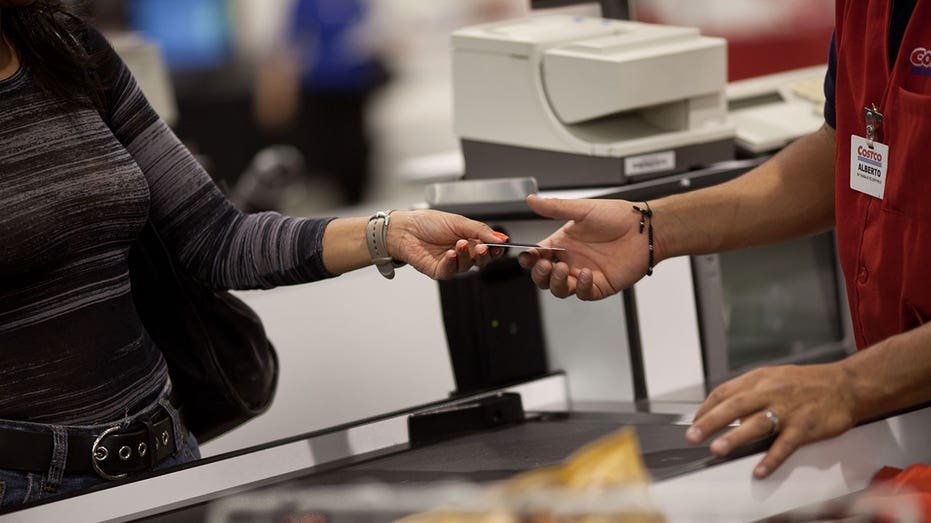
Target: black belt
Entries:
(112, 454)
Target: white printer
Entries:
(578, 101)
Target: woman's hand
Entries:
(605, 251)
(811, 403)
(440, 244)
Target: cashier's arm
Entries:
(815, 402)
(790, 195)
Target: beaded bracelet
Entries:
(646, 219)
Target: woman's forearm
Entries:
(344, 247)
(435, 243)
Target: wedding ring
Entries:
(773, 421)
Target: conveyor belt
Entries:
(499, 454)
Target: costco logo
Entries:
(921, 61)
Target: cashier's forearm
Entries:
(891, 375)
(791, 194)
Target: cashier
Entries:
(867, 172)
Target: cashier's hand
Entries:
(812, 403)
(605, 252)
(440, 244)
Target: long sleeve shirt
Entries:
(76, 188)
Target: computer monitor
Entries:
(776, 304)
(194, 35)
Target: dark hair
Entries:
(51, 45)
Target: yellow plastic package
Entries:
(584, 489)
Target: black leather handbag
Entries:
(222, 365)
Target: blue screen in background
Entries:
(193, 34)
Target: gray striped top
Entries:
(74, 193)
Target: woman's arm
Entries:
(435, 243)
(226, 248)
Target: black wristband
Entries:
(646, 220)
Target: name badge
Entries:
(869, 163)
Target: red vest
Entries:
(885, 245)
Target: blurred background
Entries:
(306, 106)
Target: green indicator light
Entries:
(495, 324)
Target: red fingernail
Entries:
(463, 248)
(501, 236)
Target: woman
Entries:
(84, 164)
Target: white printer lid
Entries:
(522, 36)
(643, 65)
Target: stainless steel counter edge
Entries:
(203, 482)
(815, 473)
(727, 492)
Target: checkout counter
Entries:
(270, 481)
(606, 365)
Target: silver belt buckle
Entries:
(99, 454)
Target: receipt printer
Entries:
(576, 101)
